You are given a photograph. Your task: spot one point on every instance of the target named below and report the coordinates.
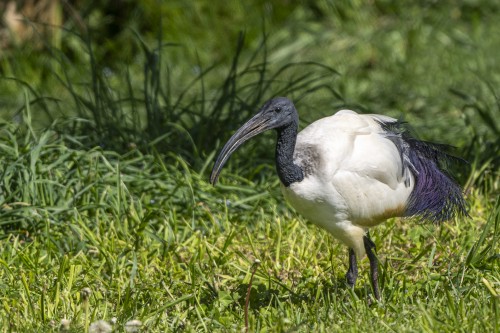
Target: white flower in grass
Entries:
(100, 326)
(65, 325)
(133, 326)
(85, 293)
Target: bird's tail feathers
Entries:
(436, 195)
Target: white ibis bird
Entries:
(349, 172)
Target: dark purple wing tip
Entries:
(436, 195)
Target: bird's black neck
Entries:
(287, 171)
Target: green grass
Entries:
(106, 212)
(153, 241)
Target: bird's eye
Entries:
(278, 109)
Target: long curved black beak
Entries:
(256, 125)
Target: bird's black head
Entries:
(276, 113)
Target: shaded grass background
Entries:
(106, 149)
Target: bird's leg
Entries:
(370, 252)
(352, 272)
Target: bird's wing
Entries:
(360, 162)
(351, 142)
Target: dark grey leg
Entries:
(352, 272)
(370, 252)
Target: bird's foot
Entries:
(350, 279)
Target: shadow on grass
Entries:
(264, 296)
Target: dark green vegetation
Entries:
(107, 138)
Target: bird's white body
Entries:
(354, 177)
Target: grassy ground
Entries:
(151, 240)
(106, 214)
